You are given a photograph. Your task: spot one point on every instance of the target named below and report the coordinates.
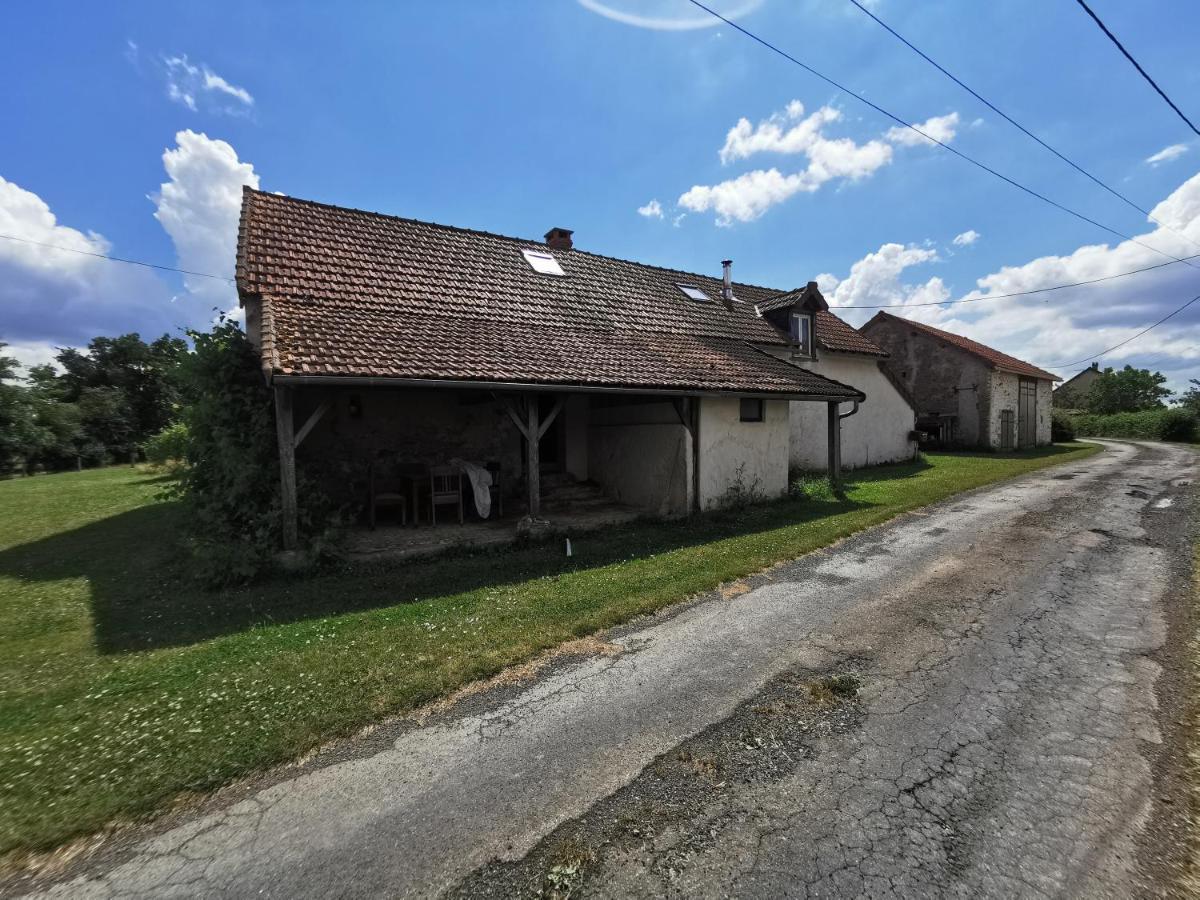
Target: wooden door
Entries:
(1027, 413)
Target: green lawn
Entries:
(123, 684)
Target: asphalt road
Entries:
(986, 697)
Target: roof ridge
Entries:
(942, 333)
(495, 234)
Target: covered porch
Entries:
(631, 452)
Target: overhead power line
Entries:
(132, 262)
(1129, 56)
(1070, 162)
(1045, 290)
(963, 156)
(1077, 362)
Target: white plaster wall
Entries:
(754, 453)
(877, 433)
(640, 454)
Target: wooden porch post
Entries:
(287, 465)
(835, 447)
(532, 464)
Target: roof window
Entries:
(694, 292)
(542, 262)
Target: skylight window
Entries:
(694, 292)
(542, 262)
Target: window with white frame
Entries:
(802, 332)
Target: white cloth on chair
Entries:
(481, 484)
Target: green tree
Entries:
(1126, 390)
(127, 390)
(19, 435)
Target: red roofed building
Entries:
(965, 392)
(390, 337)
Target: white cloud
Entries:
(967, 238)
(37, 353)
(199, 208)
(940, 128)
(775, 134)
(1166, 154)
(876, 279)
(652, 210)
(52, 291)
(195, 85)
(749, 195)
(668, 15)
(1066, 325)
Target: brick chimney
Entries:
(559, 238)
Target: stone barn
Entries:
(966, 394)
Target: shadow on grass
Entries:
(1050, 450)
(143, 596)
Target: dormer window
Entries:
(802, 332)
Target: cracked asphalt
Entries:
(986, 697)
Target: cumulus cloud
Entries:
(750, 194)
(1166, 154)
(52, 291)
(967, 238)
(652, 210)
(197, 86)
(940, 128)
(54, 294)
(1066, 325)
(668, 15)
(199, 208)
(878, 279)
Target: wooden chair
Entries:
(497, 496)
(384, 491)
(445, 487)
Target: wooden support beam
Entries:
(516, 412)
(552, 415)
(532, 462)
(287, 466)
(835, 448)
(311, 421)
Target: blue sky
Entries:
(130, 127)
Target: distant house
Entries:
(390, 336)
(881, 432)
(1073, 392)
(966, 393)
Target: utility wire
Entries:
(1067, 365)
(895, 118)
(1017, 124)
(1057, 287)
(1112, 37)
(132, 262)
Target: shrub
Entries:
(1062, 427)
(1167, 424)
(231, 476)
(168, 447)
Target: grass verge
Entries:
(123, 685)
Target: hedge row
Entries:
(1149, 424)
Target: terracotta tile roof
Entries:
(834, 334)
(995, 358)
(347, 292)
